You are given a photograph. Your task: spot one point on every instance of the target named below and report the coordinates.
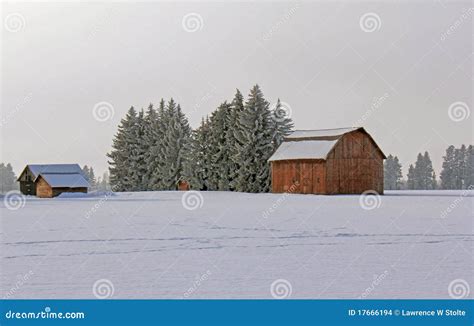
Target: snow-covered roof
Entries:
(37, 169)
(320, 133)
(306, 149)
(74, 180)
(309, 144)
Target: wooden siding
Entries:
(299, 176)
(43, 189)
(27, 185)
(354, 165)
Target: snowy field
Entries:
(235, 245)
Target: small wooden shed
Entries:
(328, 161)
(51, 180)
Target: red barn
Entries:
(328, 161)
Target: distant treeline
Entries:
(156, 149)
(457, 171)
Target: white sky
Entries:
(66, 57)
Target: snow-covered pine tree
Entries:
(92, 180)
(196, 164)
(219, 151)
(255, 139)
(234, 134)
(411, 178)
(7, 178)
(392, 173)
(282, 124)
(425, 177)
(120, 176)
(460, 167)
(155, 159)
(470, 167)
(151, 138)
(139, 148)
(447, 173)
(177, 134)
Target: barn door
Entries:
(306, 178)
(319, 179)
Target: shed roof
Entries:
(65, 180)
(37, 169)
(311, 144)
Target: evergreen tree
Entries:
(219, 151)
(392, 173)
(255, 144)
(424, 176)
(234, 137)
(411, 178)
(282, 125)
(7, 178)
(460, 173)
(155, 160)
(177, 135)
(448, 170)
(470, 167)
(121, 178)
(197, 165)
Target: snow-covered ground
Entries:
(236, 245)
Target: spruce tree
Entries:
(120, 157)
(255, 144)
(460, 173)
(448, 169)
(470, 167)
(155, 158)
(411, 178)
(282, 125)
(392, 173)
(196, 168)
(219, 151)
(7, 178)
(234, 137)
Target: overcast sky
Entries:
(395, 68)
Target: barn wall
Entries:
(354, 165)
(43, 189)
(58, 191)
(298, 176)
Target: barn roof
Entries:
(58, 175)
(37, 169)
(65, 180)
(310, 144)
